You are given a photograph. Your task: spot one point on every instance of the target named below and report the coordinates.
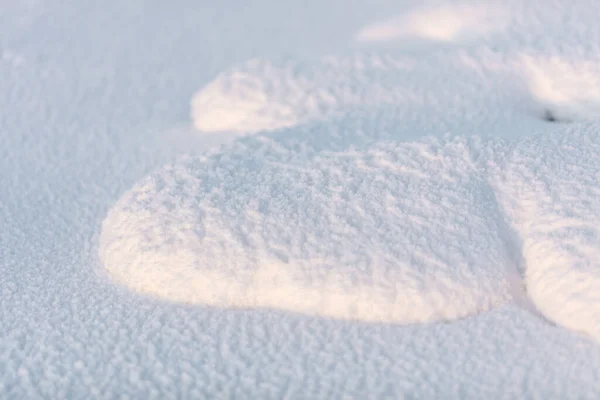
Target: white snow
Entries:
(262, 95)
(550, 187)
(391, 233)
(571, 88)
(242, 101)
(412, 214)
(387, 232)
(444, 23)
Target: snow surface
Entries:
(570, 88)
(497, 95)
(94, 136)
(391, 233)
(445, 23)
(551, 189)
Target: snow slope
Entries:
(94, 107)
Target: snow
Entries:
(571, 88)
(392, 233)
(266, 95)
(550, 188)
(445, 23)
(486, 132)
(261, 95)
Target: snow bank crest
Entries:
(569, 88)
(262, 95)
(448, 23)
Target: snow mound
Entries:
(567, 88)
(446, 23)
(262, 95)
(551, 191)
(394, 233)
(476, 88)
(341, 213)
(257, 97)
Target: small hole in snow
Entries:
(550, 116)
